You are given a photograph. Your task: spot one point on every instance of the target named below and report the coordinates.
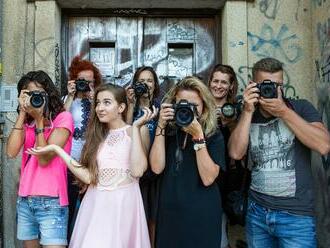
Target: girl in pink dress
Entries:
(113, 159)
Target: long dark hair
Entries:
(137, 73)
(54, 102)
(97, 131)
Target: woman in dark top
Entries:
(223, 86)
(188, 157)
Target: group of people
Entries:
(107, 166)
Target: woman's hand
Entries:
(36, 113)
(22, 99)
(166, 114)
(91, 92)
(147, 116)
(42, 150)
(71, 88)
(131, 99)
(194, 129)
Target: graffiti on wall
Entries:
(57, 66)
(318, 3)
(245, 72)
(269, 8)
(281, 45)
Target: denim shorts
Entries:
(42, 217)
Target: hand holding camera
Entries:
(82, 85)
(34, 103)
(166, 114)
(71, 87)
(275, 106)
(140, 89)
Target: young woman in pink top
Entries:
(42, 212)
(113, 159)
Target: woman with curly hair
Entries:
(188, 151)
(42, 204)
(84, 77)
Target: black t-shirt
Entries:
(280, 163)
(189, 212)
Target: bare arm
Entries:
(16, 137)
(80, 172)
(157, 156)
(314, 135)
(239, 138)
(71, 93)
(141, 143)
(208, 170)
(130, 105)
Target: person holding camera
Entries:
(143, 93)
(223, 86)
(84, 77)
(113, 159)
(42, 203)
(278, 134)
(188, 151)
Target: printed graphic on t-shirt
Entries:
(271, 157)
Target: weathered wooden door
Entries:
(174, 47)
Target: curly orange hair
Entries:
(78, 64)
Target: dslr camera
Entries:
(140, 89)
(268, 89)
(82, 85)
(37, 98)
(184, 113)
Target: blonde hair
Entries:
(208, 118)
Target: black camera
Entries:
(184, 113)
(37, 98)
(268, 89)
(82, 85)
(140, 89)
(231, 110)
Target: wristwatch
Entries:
(199, 146)
(38, 130)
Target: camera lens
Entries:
(140, 89)
(37, 99)
(184, 116)
(82, 85)
(228, 110)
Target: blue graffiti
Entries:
(281, 46)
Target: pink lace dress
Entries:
(111, 214)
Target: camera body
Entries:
(82, 85)
(140, 89)
(184, 113)
(37, 98)
(231, 110)
(268, 89)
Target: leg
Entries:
(295, 231)
(27, 226)
(257, 230)
(31, 243)
(53, 223)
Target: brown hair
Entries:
(97, 131)
(267, 65)
(226, 69)
(147, 68)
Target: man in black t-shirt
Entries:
(278, 135)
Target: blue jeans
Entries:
(42, 217)
(267, 228)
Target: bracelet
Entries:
(198, 141)
(162, 131)
(17, 128)
(74, 163)
(38, 130)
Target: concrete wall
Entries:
(297, 32)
